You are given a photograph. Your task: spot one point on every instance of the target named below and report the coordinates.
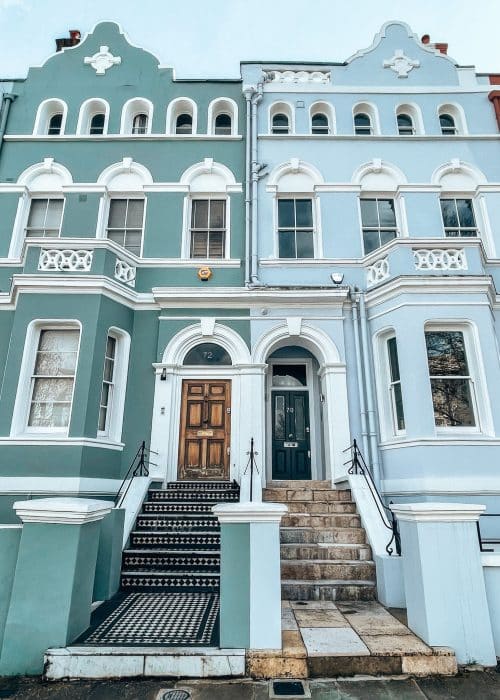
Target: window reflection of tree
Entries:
(450, 379)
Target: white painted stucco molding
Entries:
(250, 577)
(64, 511)
(443, 578)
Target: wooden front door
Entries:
(291, 443)
(205, 429)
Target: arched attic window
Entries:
(405, 125)
(137, 115)
(51, 118)
(409, 120)
(124, 205)
(321, 118)
(93, 117)
(181, 117)
(451, 120)
(365, 120)
(223, 117)
(281, 118)
(207, 228)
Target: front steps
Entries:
(175, 546)
(324, 554)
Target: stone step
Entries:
(299, 484)
(179, 539)
(284, 495)
(172, 560)
(202, 486)
(321, 507)
(170, 581)
(326, 552)
(171, 523)
(344, 520)
(194, 495)
(328, 589)
(175, 507)
(311, 535)
(319, 570)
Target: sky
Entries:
(208, 38)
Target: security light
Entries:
(337, 277)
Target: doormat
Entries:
(155, 619)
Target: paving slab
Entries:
(333, 641)
(399, 644)
(320, 618)
(288, 621)
(313, 605)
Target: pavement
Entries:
(475, 685)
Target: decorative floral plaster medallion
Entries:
(102, 60)
(401, 64)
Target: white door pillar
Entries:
(337, 435)
(252, 423)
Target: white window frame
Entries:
(20, 415)
(328, 111)
(387, 413)
(371, 111)
(282, 108)
(187, 214)
(116, 403)
(131, 108)
(222, 105)
(89, 109)
(32, 198)
(181, 105)
(398, 212)
(316, 220)
(103, 230)
(478, 387)
(461, 195)
(457, 112)
(46, 110)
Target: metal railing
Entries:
(486, 540)
(139, 467)
(389, 520)
(252, 465)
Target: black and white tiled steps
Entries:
(175, 545)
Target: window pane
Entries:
(55, 124)
(371, 240)
(300, 422)
(446, 353)
(393, 359)
(184, 124)
(466, 213)
(102, 419)
(303, 209)
(54, 214)
(362, 120)
(49, 415)
(386, 212)
(447, 122)
(108, 370)
(105, 394)
(133, 241)
(452, 402)
(405, 124)
(207, 354)
(305, 244)
(223, 125)
(118, 236)
(97, 124)
(449, 213)
(110, 346)
(289, 375)
(320, 122)
(280, 121)
(117, 213)
(47, 390)
(286, 244)
(398, 406)
(38, 208)
(286, 213)
(217, 213)
(59, 340)
(387, 236)
(216, 245)
(199, 244)
(200, 213)
(369, 215)
(135, 213)
(279, 417)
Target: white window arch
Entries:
(281, 118)
(122, 210)
(51, 118)
(296, 210)
(321, 118)
(40, 208)
(463, 207)
(207, 215)
(137, 116)
(409, 120)
(382, 212)
(222, 117)
(94, 117)
(182, 117)
(114, 384)
(365, 119)
(452, 120)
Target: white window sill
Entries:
(60, 439)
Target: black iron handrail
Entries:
(486, 540)
(251, 464)
(139, 467)
(389, 520)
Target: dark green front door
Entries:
(291, 441)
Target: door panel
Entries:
(291, 444)
(205, 429)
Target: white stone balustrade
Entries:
(377, 272)
(297, 76)
(125, 272)
(440, 259)
(69, 260)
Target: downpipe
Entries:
(7, 101)
(359, 372)
(370, 406)
(248, 93)
(255, 170)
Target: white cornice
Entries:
(380, 137)
(430, 285)
(48, 439)
(57, 485)
(236, 297)
(64, 511)
(136, 138)
(250, 512)
(438, 512)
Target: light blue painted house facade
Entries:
(242, 272)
